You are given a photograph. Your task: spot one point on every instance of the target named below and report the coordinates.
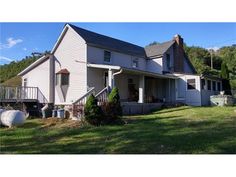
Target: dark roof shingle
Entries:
(109, 43)
(158, 49)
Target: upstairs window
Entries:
(107, 56)
(135, 63)
(62, 77)
(214, 85)
(209, 85)
(191, 84)
(168, 61)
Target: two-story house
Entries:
(82, 61)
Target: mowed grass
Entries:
(184, 130)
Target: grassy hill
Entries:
(14, 81)
(11, 70)
(182, 130)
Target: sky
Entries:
(18, 40)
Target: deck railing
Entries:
(21, 93)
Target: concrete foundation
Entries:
(133, 108)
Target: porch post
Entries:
(110, 79)
(141, 89)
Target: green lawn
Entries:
(171, 131)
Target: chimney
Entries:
(178, 53)
(179, 40)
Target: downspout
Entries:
(51, 79)
(114, 74)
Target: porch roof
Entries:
(134, 71)
(148, 73)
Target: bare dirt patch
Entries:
(60, 123)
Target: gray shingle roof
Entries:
(158, 49)
(109, 43)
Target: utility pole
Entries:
(211, 50)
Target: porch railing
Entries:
(78, 105)
(21, 93)
(102, 96)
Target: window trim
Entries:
(194, 87)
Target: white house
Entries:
(83, 61)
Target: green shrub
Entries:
(114, 109)
(92, 112)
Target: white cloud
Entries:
(5, 60)
(24, 49)
(10, 42)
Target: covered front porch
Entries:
(135, 86)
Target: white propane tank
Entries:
(13, 118)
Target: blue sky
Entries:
(18, 40)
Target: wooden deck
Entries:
(21, 94)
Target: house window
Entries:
(191, 84)
(107, 56)
(208, 84)
(135, 63)
(214, 85)
(168, 61)
(62, 77)
(203, 84)
(25, 82)
(218, 86)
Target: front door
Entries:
(180, 86)
(132, 91)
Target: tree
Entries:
(153, 43)
(114, 102)
(92, 112)
(224, 71)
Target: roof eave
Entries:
(33, 65)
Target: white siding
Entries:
(96, 55)
(193, 97)
(96, 78)
(190, 97)
(155, 65)
(71, 48)
(39, 77)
